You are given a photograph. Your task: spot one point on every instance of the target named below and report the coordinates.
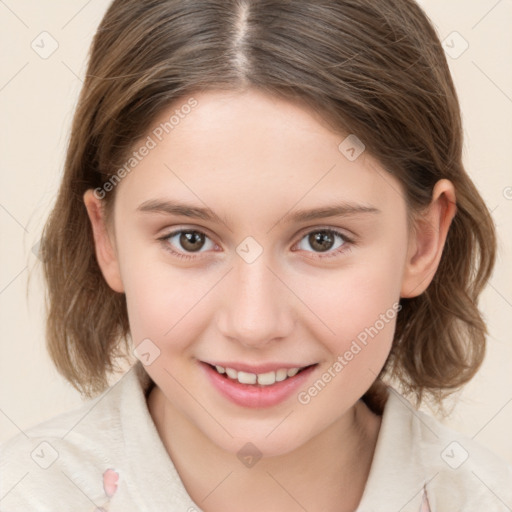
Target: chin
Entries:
(269, 440)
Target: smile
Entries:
(256, 386)
(263, 379)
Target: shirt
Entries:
(107, 456)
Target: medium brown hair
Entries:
(375, 69)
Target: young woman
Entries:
(264, 202)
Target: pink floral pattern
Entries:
(425, 506)
(110, 481)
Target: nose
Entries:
(257, 307)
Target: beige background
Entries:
(37, 98)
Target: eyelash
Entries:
(347, 242)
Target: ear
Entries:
(104, 242)
(427, 238)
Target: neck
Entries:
(328, 473)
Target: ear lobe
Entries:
(104, 245)
(427, 240)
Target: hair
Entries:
(373, 69)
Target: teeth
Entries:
(232, 374)
(246, 378)
(263, 379)
(281, 375)
(267, 379)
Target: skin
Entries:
(255, 160)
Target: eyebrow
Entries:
(301, 215)
(178, 208)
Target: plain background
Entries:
(37, 99)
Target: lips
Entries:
(252, 386)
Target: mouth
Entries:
(259, 379)
(260, 386)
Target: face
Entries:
(230, 255)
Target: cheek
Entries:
(157, 295)
(358, 306)
(361, 309)
(166, 304)
(355, 298)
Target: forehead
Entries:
(238, 148)
(249, 105)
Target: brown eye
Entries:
(324, 241)
(191, 240)
(321, 240)
(183, 243)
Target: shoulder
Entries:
(63, 460)
(459, 473)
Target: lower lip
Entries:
(255, 396)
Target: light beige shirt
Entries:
(108, 456)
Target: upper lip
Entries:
(256, 368)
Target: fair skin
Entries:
(256, 160)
